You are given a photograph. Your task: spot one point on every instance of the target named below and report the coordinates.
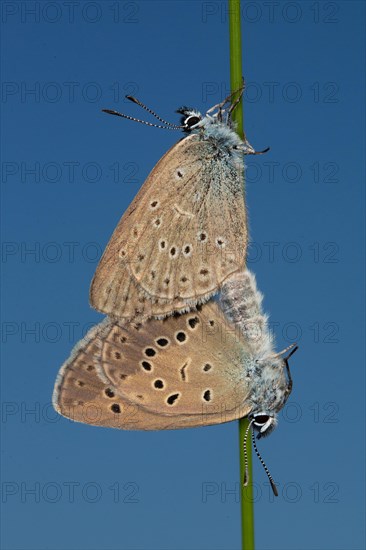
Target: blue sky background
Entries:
(107, 489)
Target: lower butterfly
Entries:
(208, 366)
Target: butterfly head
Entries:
(191, 118)
(276, 387)
(214, 127)
(217, 124)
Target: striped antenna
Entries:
(246, 475)
(116, 113)
(140, 104)
(273, 485)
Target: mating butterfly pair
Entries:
(166, 357)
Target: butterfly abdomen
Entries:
(241, 303)
(240, 299)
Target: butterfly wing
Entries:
(184, 371)
(181, 237)
(79, 393)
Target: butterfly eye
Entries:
(261, 419)
(264, 423)
(191, 121)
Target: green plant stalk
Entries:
(247, 505)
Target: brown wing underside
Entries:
(184, 371)
(182, 236)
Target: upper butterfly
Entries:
(186, 230)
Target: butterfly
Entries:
(207, 366)
(186, 231)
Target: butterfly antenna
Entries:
(140, 104)
(273, 485)
(116, 113)
(246, 474)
